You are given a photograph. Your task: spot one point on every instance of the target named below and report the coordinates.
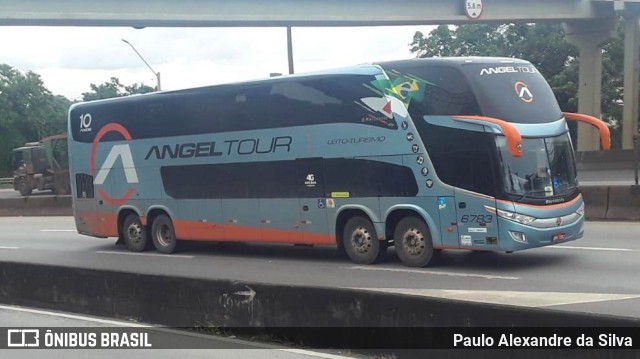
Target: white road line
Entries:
(595, 248)
(9, 247)
(524, 299)
(315, 354)
(177, 332)
(422, 271)
(75, 317)
(145, 254)
(58, 230)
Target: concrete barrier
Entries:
(194, 302)
(309, 316)
(596, 200)
(605, 160)
(36, 206)
(624, 203)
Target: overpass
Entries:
(589, 24)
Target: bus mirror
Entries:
(605, 134)
(514, 139)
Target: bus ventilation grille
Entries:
(84, 186)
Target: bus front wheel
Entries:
(163, 234)
(134, 233)
(413, 242)
(361, 242)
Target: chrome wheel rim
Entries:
(361, 240)
(413, 241)
(163, 235)
(134, 233)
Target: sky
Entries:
(69, 59)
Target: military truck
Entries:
(42, 166)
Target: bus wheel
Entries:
(134, 233)
(360, 241)
(413, 242)
(163, 234)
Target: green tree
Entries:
(28, 111)
(113, 88)
(544, 46)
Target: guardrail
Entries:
(8, 180)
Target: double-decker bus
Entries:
(422, 154)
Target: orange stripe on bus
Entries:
(514, 138)
(545, 206)
(100, 223)
(605, 134)
(203, 231)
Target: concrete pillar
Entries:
(631, 57)
(589, 36)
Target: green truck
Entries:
(41, 166)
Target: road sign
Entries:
(473, 8)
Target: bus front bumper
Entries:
(516, 236)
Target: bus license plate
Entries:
(559, 236)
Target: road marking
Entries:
(145, 254)
(422, 271)
(9, 247)
(315, 354)
(595, 248)
(73, 316)
(58, 230)
(522, 299)
(173, 331)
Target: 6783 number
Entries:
(480, 218)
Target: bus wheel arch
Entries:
(357, 237)
(131, 231)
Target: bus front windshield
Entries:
(546, 168)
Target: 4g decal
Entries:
(123, 152)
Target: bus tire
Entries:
(134, 233)
(163, 234)
(360, 241)
(413, 242)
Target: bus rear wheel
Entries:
(134, 233)
(413, 242)
(163, 234)
(360, 241)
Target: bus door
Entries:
(313, 201)
(448, 227)
(477, 228)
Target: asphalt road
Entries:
(209, 346)
(597, 274)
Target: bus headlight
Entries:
(580, 209)
(516, 217)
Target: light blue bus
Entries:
(422, 154)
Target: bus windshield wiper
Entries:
(530, 192)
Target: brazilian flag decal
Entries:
(403, 88)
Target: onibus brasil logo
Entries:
(122, 151)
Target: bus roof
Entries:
(368, 68)
(452, 61)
